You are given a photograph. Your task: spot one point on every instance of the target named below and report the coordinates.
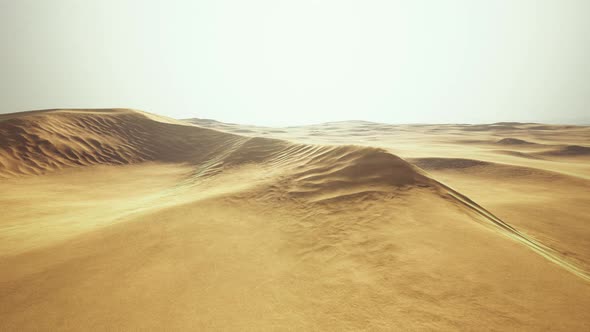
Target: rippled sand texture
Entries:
(123, 220)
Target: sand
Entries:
(122, 220)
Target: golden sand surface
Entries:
(118, 219)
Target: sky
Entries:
(276, 62)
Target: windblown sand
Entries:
(124, 220)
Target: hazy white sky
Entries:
(275, 62)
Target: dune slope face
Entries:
(45, 141)
(117, 219)
(49, 141)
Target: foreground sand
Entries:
(121, 220)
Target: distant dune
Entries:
(118, 219)
(447, 163)
(570, 150)
(513, 141)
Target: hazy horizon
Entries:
(279, 63)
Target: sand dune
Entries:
(513, 141)
(447, 163)
(570, 150)
(124, 220)
(47, 141)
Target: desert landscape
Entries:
(120, 219)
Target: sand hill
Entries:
(124, 220)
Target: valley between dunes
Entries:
(119, 219)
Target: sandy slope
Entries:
(117, 219)
(535, 177)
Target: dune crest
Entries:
(48, 141)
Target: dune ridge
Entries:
(476, 166)
(510, 231)
(49, 141)
(42, 142)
